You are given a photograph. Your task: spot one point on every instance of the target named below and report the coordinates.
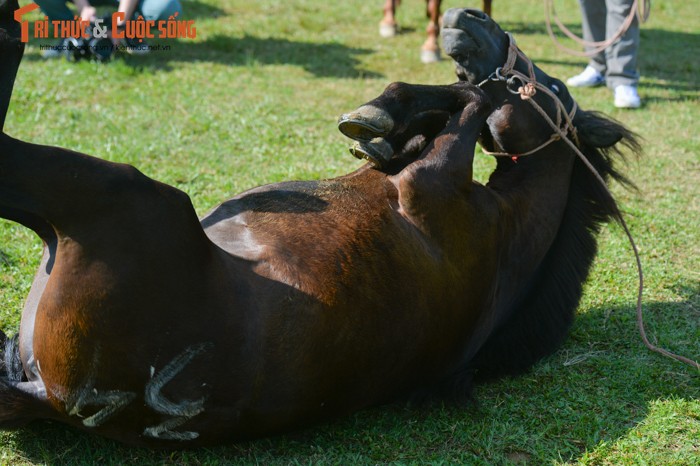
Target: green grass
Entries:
(254, 99)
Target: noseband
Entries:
(526, 87)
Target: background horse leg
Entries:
(388, 26)
(430, 52)
(487, 7)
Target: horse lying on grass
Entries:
(299, 302)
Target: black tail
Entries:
(11, 51)
(541, 321)
(10, 364)
(17, 407)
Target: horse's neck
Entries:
(533, 193)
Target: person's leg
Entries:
(159, 9)
(56, 10)
(593, 23)
(593, 14)
(621, 57)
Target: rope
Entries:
(500, 75)
(639, 10)
(526, 91)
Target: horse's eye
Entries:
(555, 88)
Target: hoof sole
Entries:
(365, 123)
(377, 152)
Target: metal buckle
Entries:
(513, 84)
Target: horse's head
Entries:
(475, 42)
(487, 56)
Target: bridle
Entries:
(526, 86)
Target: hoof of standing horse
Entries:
(388, 29)
(429, 56)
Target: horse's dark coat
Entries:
(302, 301)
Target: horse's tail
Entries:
(11, 51)
(17, 406)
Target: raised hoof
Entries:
(429, 56)
(377, 152)
(365, 123)
(387, 30)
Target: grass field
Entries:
(254, 99)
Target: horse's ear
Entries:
(598, 131)
(605, 139)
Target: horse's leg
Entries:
(430, 52)
(42, 185)
(20, 400)
(11, 50)
(443, 173)
(109, 220)
(402, 119)
(388, 26)
(487, 7)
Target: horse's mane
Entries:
(539, 323)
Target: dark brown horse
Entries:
(430, 51)
(298, 302)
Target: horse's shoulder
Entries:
(295, 217)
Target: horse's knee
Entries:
(397, 89)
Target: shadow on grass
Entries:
(4, 258)
(325, 59)
(192, 9)
(596, 389)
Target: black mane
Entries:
(540, 322)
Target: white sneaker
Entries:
(627, 97)
(588, 78)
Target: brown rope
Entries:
(527, 91)
(639, 9)
(563, 135)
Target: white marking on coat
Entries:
(181, 411)
(113, 401)
(164, 430)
